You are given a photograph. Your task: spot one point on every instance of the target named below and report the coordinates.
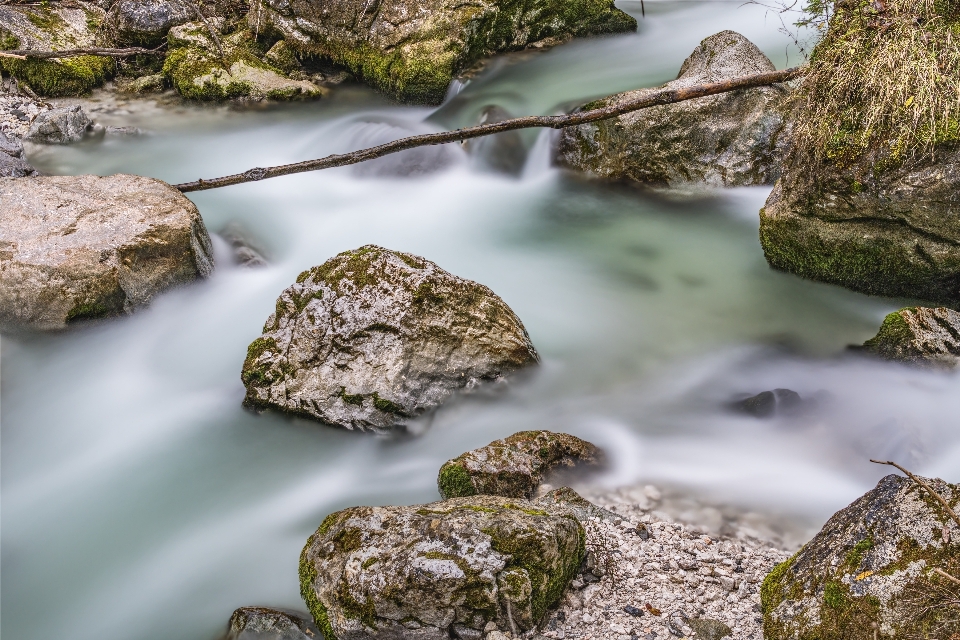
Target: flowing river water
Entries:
(141, 502)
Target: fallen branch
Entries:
(664, 96)
(73, 53)
(210, 29)
(926, 486)
(946, 575)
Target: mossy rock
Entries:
(732, 139)
(869, 197)
(515, 466)
(373, 338)
(919, 335)
(53, 27)
(870, 572)
(411, 49)
(439, 570)
(198, 72)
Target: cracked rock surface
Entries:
(79, 247)
(872, 564)
(920, 335)
(514, 466)
(373, 338)
(428, 571)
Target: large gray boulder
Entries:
(262, 623)
(146, 22)
(730, 139)
(516, 465)
(76, 247)
(373, 338)
(412, 49)
(870, 193)
(441, 570)
(59, 126)
(872, 570)
(919, 335)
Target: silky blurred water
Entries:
(140, 502)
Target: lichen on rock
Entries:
(263, 623)
(54, 27)
(514, 466)
(412, 49)
(373, 338)
(197, 71)
(919, 335)
(870, 191)
(146, 23)
(872, 564)
(432, 571)
(732, 139)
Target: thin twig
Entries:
(946, 575)
(210, 29)
(652, 99)
(73, 53)
(926, 486)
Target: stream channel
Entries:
(141, 502)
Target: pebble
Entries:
(17, 112)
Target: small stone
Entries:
(497, 635)
(709, 629)
(490, 626)
(633, 611)
(261, 623)
(727, 583)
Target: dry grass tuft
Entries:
(884, 84)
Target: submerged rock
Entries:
(412, 49)
(872, 564)
(59, 126)
(373, 338)
(919, 335)
(870, 192)
(515, 466)
(78, 247)
(784, 402)
(54, 27)
(145, 23)
(730, 139)
(440, 570)
(261, 623)
(197, 71)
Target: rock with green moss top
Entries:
(373, 338)
(515, 466)
(440, 570)
(412, 49)
(197, 71)
(731, 139)
(54, 27)
(870, 193)
(919, 335)
(81, 247)
(870, 572)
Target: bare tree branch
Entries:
(23, 54)
(946, 575)
(664, 96)
(926, 486)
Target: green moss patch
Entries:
(454, 481)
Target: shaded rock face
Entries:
(76, 247)
(12, 162)
(59, 126)
(54, 27)
(196, 70)
(373, 337)
(731, 139)
(870, 197)
(515, 466)
(439, 570)
(872, 563)
(919, 335)
(413, 49)
(261, 623)
(146, 22)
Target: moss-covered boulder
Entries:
(54, 27)
(731, 139)
(373, 338)
(145, 23)
(438, 571)
(263, 623)
(411, 49)
(871, 572)
(197, 71)
(515, 466)
(919, 335)
(870, 193)
(81, 247)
